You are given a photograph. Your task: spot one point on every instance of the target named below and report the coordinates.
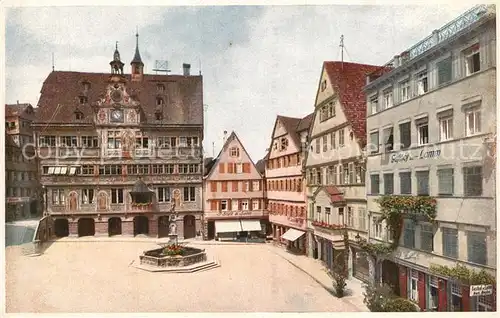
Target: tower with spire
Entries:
(116, 63)
(137, 65)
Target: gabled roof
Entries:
(261, 166)
(348, 80)
(21, 110)
(293, 127)
(336, 196)
(183, 104)
(215, 161)
(207, 165)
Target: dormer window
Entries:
(159, 101)
(83, 100)
(78, 115)
(161, 88)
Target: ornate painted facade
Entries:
(121, 153)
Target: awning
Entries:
(292, 235)
(251, 225)
(227, 226)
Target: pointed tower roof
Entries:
(137, 57)
(116, 55)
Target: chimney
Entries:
(186, 68)
(225, 137)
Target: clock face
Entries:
(117, 116)
(116, 95)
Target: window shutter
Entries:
(229, 207)
(250, 205)
(250, 186)
(221, 168)
(213, 186)
(224, 186)
(213, 205)
(239, 205)
(230, 167)
(246, 167)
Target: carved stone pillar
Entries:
(73, 228)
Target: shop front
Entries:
(433, 293)
(237, 230)
(328, 247)
(289, 232)
(295, 240)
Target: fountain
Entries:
(175, 257)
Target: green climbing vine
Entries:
(392, 209)
(464, 275)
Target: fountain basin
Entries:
(158, 258)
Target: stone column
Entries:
(101, 229)
(127, 228)
(180, 228)
(153, 227)
(73, 228)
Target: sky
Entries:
(257, 62)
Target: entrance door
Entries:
(189, 226)
(114, 226)
(141, 225)
(163, 223)
(86, 227)
(211, 230)
(61, 227)
(390, 276)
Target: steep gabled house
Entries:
(335, 165)
(234, 195)
(285, 186)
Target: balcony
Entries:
(121, 179)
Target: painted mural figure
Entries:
(102, 201)
(72, 202)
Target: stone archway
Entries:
(163, 226)
(189, 226)
(141, 225)
(86, 227)
(114, 226)
(61, 227)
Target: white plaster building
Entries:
(432, 115)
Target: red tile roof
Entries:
(15, 110)
(336, 196)
(348, 80)
(183, 101)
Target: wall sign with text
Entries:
(405, 156)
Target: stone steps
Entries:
(204, 266)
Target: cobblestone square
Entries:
(97, 277)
